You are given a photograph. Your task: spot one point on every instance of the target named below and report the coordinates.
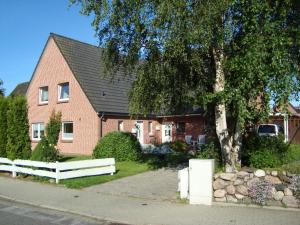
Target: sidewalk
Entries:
(138, 211)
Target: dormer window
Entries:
(43, 95)
(63, 92)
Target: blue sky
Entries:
(24, 28)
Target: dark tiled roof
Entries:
(20, 89)
(104, 93)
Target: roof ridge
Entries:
(72, 39)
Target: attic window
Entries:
(63, 92)
(43, 95)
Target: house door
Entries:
(166, 132)
(139, 131)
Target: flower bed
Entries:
(259, 186)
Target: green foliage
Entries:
(18, 141)
(45, 151)
(53, 127)
(293, 167)
(263, 151)
(210, 151)
(122, 146)
(2, 90)
(293, 154)
(179, 146)
(3, 126)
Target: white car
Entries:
(269, 130)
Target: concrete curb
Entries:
(99, 219)
(221, 204)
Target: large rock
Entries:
(220, 193)
(274, 173)
(230, 189)
(273, 180)
(239, 196)
(238, 182)
(242, 174)
(228, 176)
(220, 199)
(280, 187)
(290, 201)
(219, 184)
(250, 182)
(288, 192)
(231, 198)
(242, 189)
(278, 195)
(260, 173)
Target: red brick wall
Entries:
(51, 71)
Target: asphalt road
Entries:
(12, 213)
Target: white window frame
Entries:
(120, 125)
(150, 127)
(39, 131)
(41, 89)
(63, 137)
(59, 92)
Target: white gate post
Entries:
(14, 169)
(57, 172)
(183, 184)
(200, 181)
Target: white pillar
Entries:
(183, 184)
(200, 181)
(286, 127)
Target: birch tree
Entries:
(237, 55)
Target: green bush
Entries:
(264, 159)
(292, 154)
(44, 151)
(263, 148)
(122, 146)
(18, 141)
(3, 126)
(179, 146)
(210, 151)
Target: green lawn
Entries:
(123, 169)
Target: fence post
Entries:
(57, 172)
(14, 169)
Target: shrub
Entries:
(18, 141)
(260, 191)
(3, 126)
(45, 151)
(179, 146)
(254, 147)
(210, 151)
(122, 146)
(292, 154)
(264, 159)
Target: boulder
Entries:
(219, 184)
(238, 182)
(268, 172)
(246, 178)
(217, 175)
(250, 182)
(278, 195)
(283, 173)
(251, 175)
(288, 192)
(273, 180)
(241, 189)
(230, 189)
(220, 199)
(290, 201)
(280, 187)
(260, 173)
(274, 173)
(228, 176)
(242, 174)
(239, 196)
(231, 198)
(220, 193)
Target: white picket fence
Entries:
(59, 170)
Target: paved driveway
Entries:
(156, 185)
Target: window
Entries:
(43, 95)
(180, 127)
(38, 131)
(67, 131)
(150, 128)
(63, 92)
(120, 125)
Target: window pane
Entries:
(44, 94)
(64, 91)
(180, 128)
(68, 130)
(42, 130)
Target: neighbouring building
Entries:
(69, 78)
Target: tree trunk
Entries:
(226, 140)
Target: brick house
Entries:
(67, 78)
